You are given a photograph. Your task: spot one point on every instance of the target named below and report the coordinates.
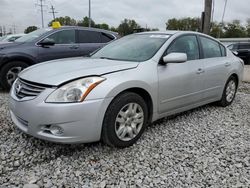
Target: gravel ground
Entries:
(205, 147)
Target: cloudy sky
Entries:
(153, 13)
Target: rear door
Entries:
(89, 41)
(216, 66)
(65, 46)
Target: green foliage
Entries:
(127, 27)
(187, 24)
(102, 26)
(65, 21)
(216, 30)
(30, 29)
(85, 22)
(234, 29)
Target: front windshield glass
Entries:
(33, 35)
(3, 38)
(137, 47)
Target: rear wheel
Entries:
(229, 92)
(9, 73)
(125, 120)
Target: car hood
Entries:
(57, 72)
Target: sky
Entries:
(150, 13)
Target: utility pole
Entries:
(207, 16)
(89, 13)
(53, 12)
(41, 5)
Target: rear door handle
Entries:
(200, 71)
(227, 64)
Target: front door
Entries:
(65, 46)
(181, 84)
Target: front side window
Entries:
(186, 44)
(63, 37)
(89, 36)
(210, 48)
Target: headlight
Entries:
(75, 91)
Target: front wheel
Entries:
(9, 73)
(125, 120)
(229, 92)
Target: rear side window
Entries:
(210, 48)
(63, 37)
(106, 38)
(89, 36)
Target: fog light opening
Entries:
(56, 130)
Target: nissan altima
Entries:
(113, 95)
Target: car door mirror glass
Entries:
(47, 42)
(175, 58)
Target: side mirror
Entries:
(235, 53)
(47, 42)
(175, 58)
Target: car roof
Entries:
(87, 28)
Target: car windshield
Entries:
(3, 38)
(33, 35)
(137, 47)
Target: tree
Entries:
(65, 21)
(217, 30)
(85, 22)
(30, 29)
(190, 24)
(235, 30)
(248, 27)
(127, 27)
(102, 26)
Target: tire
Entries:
(10, 70)
(120, 120)
(229, 94)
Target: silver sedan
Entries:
(113, 95)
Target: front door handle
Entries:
(227, 64)
(200, 71)
(74, 47)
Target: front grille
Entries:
(26, 89)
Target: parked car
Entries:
(48, 44)
(242, 51)
(10, 38)
(113, 95)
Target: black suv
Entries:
(242, 51)
(48, 44)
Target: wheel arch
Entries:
(24, 59)
(146, 97)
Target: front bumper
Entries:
(80, 122)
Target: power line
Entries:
(41, 6)
(53, 12)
